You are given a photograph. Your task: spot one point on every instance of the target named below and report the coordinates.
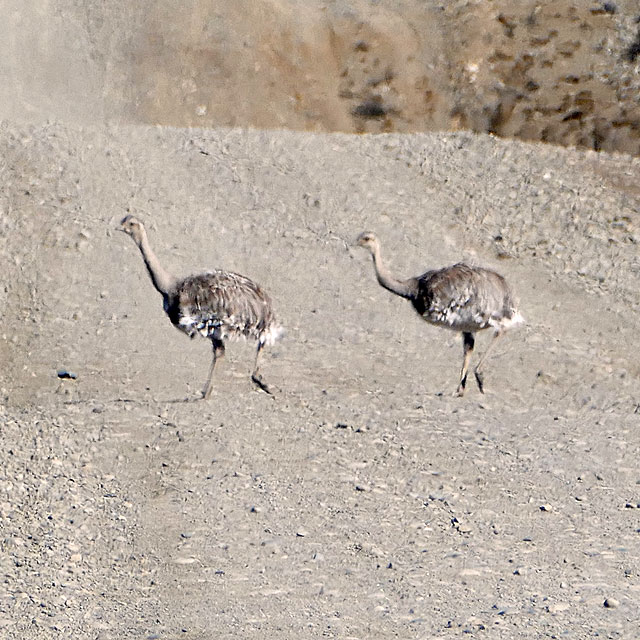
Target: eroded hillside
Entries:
(564, 72)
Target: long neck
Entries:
(403, 288)
(162, 280)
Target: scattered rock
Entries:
(370, 109)
(66, 374)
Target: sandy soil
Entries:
(363, 501)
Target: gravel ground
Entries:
(362, 501)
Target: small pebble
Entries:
(611, 603)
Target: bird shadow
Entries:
(186, 400)
(259, 387)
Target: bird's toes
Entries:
(259, 382)
(459, 392)
(205, 395)
(480, 381)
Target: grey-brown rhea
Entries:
(214, 304)
(461, 297)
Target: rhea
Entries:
(460, 297)
(215, 304)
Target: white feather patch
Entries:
(273, 334)
(514, 321)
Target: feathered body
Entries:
(216, 304)
(464, 298)
(460, 297)
(221, 305)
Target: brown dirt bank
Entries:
(560, 71)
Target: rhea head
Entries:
(367, 240)
(133, 227)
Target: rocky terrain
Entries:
(363, 500)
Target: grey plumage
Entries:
(221, 304)
(463, 298)
(460, 297)
(216, 304)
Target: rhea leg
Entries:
(218, 352)
(476, 371)
(256, 377)
(467, 345)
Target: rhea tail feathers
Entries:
(515, 320)
(275, 333)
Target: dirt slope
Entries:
(363, 501)
(559, 71)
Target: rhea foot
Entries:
(459, 392)
(256, 378)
